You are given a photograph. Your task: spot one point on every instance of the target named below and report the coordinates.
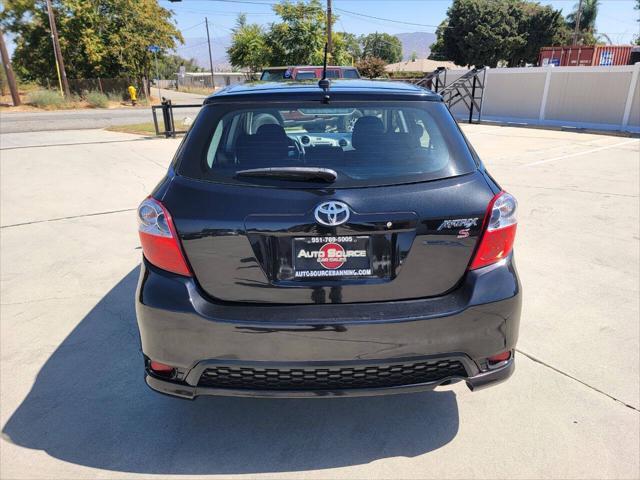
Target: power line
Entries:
(385, 19)
(249, 2)
(372, 18)
(225, 14)
(191, 27)
(381, 19)
(405, 28)
(191, 46)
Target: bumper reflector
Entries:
(161, 369)
(501, 357)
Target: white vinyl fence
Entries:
(605, 98)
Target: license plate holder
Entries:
(332, 257)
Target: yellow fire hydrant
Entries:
(133, 94)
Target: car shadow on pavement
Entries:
(89, 406)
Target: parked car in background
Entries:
(278, 74)
(356, 248)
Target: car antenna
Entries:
(324, 82)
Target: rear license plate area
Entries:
(332, 257)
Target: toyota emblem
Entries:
(332, 213)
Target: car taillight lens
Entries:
(501, 357)
(499, 231)
(159, 239)
(161, 369)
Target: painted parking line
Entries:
(585, 152)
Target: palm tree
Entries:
(587, 19)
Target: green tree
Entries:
(169, 65)
(343, 51)
(587, 32)
(98, 38)
(353, 46)
(541, 26)
(248, 47)
(437, 50)
(488, 33)
(382, 45)
(300, 37)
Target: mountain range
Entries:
(196, 48)
(418, 42)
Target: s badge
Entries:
(464, 233)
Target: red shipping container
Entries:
(583, 56)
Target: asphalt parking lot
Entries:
(73, 401)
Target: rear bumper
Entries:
(183, 390)
(182, 328)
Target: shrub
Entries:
(403, 74)
(97, 99)
(46, 99)
(371, 67)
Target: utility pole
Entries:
(158, 75)
(62, 74)
(576, 31)
(329, 21)
(11, 79)
(213, 84)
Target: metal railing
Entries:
(467, 89)
(168, 118)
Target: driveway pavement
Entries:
(73, 403)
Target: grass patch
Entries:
(97, 100)
(47, 99)
(137, 128)
(196, 90)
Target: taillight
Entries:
(501, 357)
(499, 233)
(159, 239)
(160, 368)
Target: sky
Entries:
(616, 18)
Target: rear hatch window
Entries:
(362, 143)
(274, 75)
(350, 73)
(306, 75)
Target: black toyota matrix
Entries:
(326, 242)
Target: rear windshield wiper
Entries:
(291, 173)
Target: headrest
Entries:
(366, 131)
(269, 146)
(272, 130)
